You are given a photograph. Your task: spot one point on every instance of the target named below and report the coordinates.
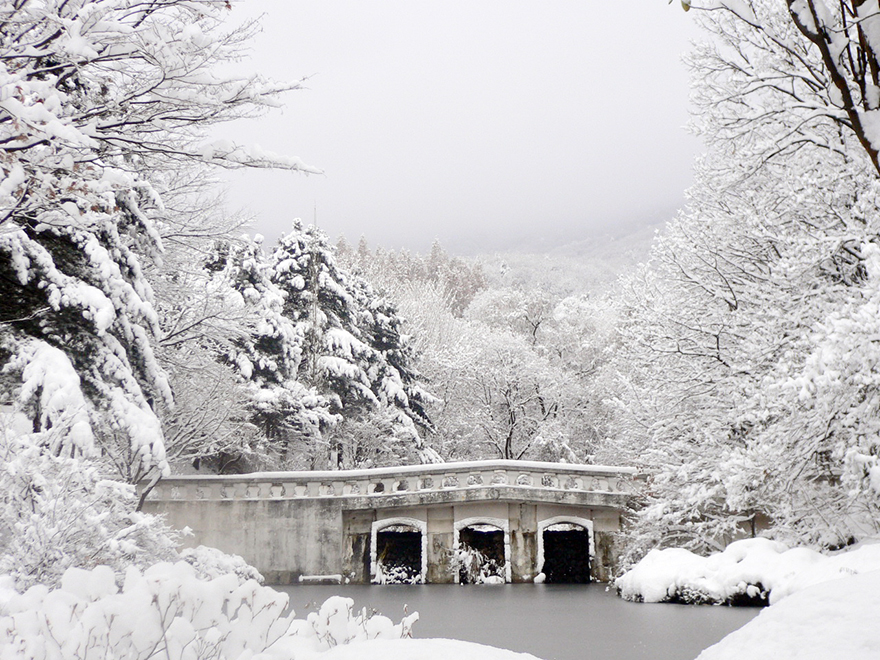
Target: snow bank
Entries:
(168, 612)
(422, 649)
(835, 619)
(751, 571)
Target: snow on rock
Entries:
(835, 619)
(421, 649)
(751, 570)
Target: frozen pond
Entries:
(553, 622)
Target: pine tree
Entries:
(353, 352)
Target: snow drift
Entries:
(751, 571)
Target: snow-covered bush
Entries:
(169, 612)
(212, 563)
(751, 571)
(57, 512)
(475, 567)
(335, 623)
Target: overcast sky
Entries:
(487, 124)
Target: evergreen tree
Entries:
(267, 349)
(322, 355)
(352, 348)
(98, 99)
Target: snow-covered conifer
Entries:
(351, 348)
(97, 99)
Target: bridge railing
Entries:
(381, 482)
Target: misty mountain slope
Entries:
(588, 266)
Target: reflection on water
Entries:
(553, 622)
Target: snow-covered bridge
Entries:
(509, 520)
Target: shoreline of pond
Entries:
(550, 621)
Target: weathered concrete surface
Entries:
(356, 529)
(283, 539)
(290, 525)
(488, 494)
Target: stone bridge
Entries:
(418, 523)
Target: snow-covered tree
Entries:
(97, 100)
(321, 353)
(266, 349)
(512, 366)
(720, 369)
(352, 350)
(819, 56)
(393, 272)
(200, 317)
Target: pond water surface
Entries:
(552, 622)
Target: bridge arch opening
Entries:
(482, 551)
(399, 551)
(565, 550)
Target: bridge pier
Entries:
(295, 525)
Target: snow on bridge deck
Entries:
(501, 480)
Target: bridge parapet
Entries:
(404, 485)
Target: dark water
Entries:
(552, 622)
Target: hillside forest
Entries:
(732, 357)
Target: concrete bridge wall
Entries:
(290, 525)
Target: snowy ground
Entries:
(419, 649)
(836, 619)
(822, 606)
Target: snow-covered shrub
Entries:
(396, 574)
(58, 512)
(751, 571)
(212, 563)
(334, 624)
(168, 612)
(474, 567)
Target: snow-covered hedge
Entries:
(169, 612)
(751, 571)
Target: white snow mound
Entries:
(835, 619)
(752, 568)
(420, 649)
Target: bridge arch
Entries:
(383, 525)
(548, 524)
(501, 524)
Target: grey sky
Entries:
(484, 123)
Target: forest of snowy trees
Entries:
(746, 369)
(144, 332)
